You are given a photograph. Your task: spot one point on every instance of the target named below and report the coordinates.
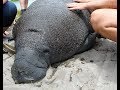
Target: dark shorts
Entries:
(9, 13)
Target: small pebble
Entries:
(82, 59)
(83, 62)
(91, 61)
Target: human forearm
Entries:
(96, 4)
(113, 4)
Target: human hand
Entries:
(78, 4)
(4, 1)
(92, 4)
(75, 6)
(82, 1)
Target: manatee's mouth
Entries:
(27, 74)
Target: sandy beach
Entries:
(95, 69)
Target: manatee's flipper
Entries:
(29, 66)
(89, 42)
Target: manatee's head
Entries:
(29, 66)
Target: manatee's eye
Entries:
(33, 30)
(46, 51)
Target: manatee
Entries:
(48, 33)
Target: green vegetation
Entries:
(14, 0)
(18, 14)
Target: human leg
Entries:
(104, 22)
(23, 4)
(9, 13)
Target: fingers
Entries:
(77, 1)
(75, 6)
(82, 1)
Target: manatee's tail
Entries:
(29, 66)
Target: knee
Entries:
(98, 20)
(9, 13)
(12, 8)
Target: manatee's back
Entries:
(49, 23)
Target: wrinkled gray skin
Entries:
(48, 33)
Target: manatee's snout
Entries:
(22, 76)
(28, 67)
